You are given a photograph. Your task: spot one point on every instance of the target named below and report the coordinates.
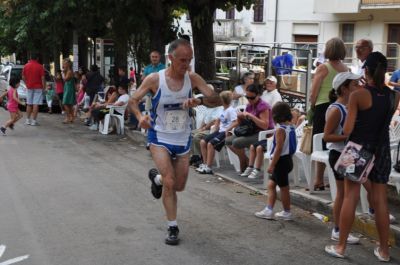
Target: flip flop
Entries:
(331, 250)
(378, 255)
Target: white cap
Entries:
(271, 78)
(340, 78)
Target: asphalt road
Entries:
(70, 196)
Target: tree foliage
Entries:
(47, 26)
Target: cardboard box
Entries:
(288, 82)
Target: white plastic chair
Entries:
(322, 156)
(112, 116)
(394, 179)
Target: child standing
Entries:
(284, 146)
(216, 140)
(343, 84)
(12, 105)
(60, 89)
(49, 97)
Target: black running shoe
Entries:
(172, 236)
(156, 190)
(3, 130)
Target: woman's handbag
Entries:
(397, 164)
(306, 140)
(355, 162)
(247, 127)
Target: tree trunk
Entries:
(156, 18)
(56, 55)
(203, 39)
(83, 51)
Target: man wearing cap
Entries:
(271, 95)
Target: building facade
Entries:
(297, 24)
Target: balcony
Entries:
(380, 4)
(336, 6)
(225, 30)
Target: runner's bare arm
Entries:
(150, 84)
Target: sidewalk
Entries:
(317, 202)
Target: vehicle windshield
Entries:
(16, 72)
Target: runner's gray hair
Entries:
(176, 43)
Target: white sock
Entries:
(172, 223)
(158, 180)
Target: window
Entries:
(348, 38)
(230, 13)
(258, 11)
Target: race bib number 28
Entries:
(176, 120)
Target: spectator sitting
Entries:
(297, 117)
(256, 111)
(110, 98)
(395, 80)
(99, 114)
(216, 140)
(239, 92)
(271, 95)
(209, 117)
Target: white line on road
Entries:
(14, 260)
(11, 261)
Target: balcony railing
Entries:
(380, 2)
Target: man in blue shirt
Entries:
(395, 80)
(155, 66)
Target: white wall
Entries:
(368, 23)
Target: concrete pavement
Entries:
(73, 196)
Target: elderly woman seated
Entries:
(102, 110)
(257, 112)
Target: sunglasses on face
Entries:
(248, 97)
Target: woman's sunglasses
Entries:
(251, 97)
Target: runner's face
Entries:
(181, 58)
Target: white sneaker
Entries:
(206, 170)
(392, 219)
(352, 240)
(28, 122)
(34, 123)
(94, 127)
(255, 174)
(287, 216)
(247, 172)
(200, 168)
(62, 112)
(265, 214)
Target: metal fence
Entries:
(233, 59)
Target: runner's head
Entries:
(180, 54)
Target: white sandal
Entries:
(331, 250)
(378, 255)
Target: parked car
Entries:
(16, 70)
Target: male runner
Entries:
(169, 134)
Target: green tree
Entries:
(201, 14)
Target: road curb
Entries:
(308, 202)
(305, 201)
